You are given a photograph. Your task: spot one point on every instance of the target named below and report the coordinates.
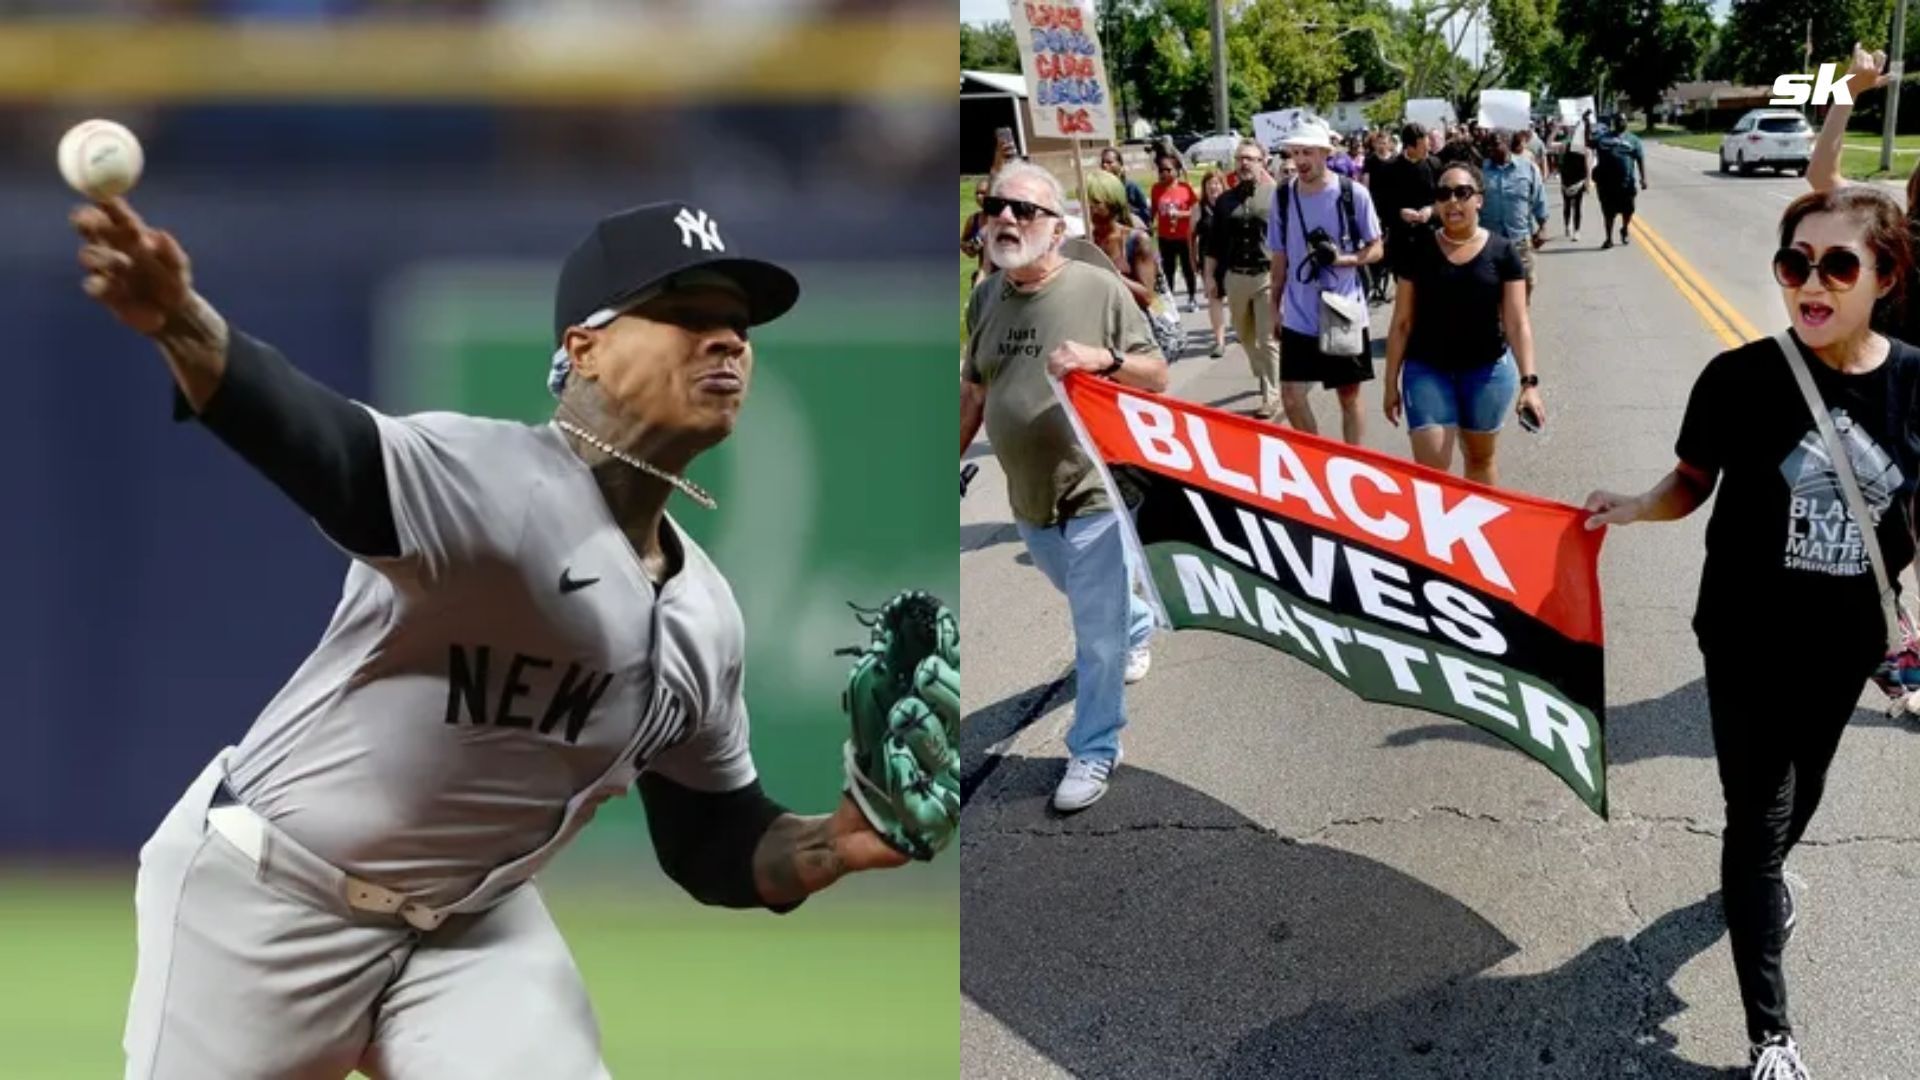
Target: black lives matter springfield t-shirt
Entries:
(1782, 548)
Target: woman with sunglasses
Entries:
(1783, 542)
(1214, 272)
(1461, 345)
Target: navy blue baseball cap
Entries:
(641, 249)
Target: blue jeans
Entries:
(1475, 400)
(1086, 559)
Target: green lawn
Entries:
(1859, 161)
(848, 990)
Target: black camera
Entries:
(1321, 248)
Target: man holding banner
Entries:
(1042, 315)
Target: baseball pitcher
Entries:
(524, 633)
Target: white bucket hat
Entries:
(1309, 133)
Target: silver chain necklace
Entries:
(687, 487)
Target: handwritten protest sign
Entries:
(1270, 127)
(1066, 76)
(1405, 584)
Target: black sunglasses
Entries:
(1839, 268)
(1023, 211)
(1448, 194)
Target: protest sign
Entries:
(1572, 109)
(1506, 110)
(1405, 584)
(1270, 127)
(1066, 76)
(1431, 113)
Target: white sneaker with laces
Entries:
(1139, 660)
(1085, 782)
(1777, 1058)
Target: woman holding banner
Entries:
(1808, 435)
(1461, 344)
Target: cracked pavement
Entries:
(1287, 881)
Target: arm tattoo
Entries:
(194, 341)
(796, 858)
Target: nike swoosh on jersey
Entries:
(569, 583)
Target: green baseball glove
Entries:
(903, 697)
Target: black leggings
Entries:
(1572, 203)
(1176, 253)
(1774, 738)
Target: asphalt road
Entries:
(1288, 882)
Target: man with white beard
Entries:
(1041, 314)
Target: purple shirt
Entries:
(1300, 310)
(1339, 162)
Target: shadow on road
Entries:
(1163, 935)
(985, 534)
(1672, 725)
(983, 729)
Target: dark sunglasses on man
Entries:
(1447, 194)
(1023, 211)
(1838, 267)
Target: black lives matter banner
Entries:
(1408, 585)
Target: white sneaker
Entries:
(1085, 782)
(1573, 237)
(1777, 1058)
(1139, 660)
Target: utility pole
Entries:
(1896, 69)
(1220, 67)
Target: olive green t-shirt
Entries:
(1009, 335)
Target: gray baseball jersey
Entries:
(476, 698)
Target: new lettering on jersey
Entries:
(512, 670)
(1407, 585)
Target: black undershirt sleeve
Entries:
(318, 447)
(705, 840)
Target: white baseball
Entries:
(100, 159)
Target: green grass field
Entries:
(863, 987)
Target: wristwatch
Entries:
(1119, 362)
(1529, 380)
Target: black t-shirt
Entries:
(1782, 550)
(1239, 228)
(1404, 184)
(1456, 309)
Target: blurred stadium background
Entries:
(384, 189)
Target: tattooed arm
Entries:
(799, 856)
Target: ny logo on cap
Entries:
(698, 226)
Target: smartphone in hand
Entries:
(1530, 421)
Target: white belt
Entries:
(247, 831)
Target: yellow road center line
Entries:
(1728, 313)
(1691, 295)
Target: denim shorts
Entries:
(1475, 400)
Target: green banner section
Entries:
(836, 486)
(1200, 589)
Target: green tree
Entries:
(1642, 47)
(1763, 39)
(989, 48)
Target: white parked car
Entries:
(1778, 139)
(1214, 150)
